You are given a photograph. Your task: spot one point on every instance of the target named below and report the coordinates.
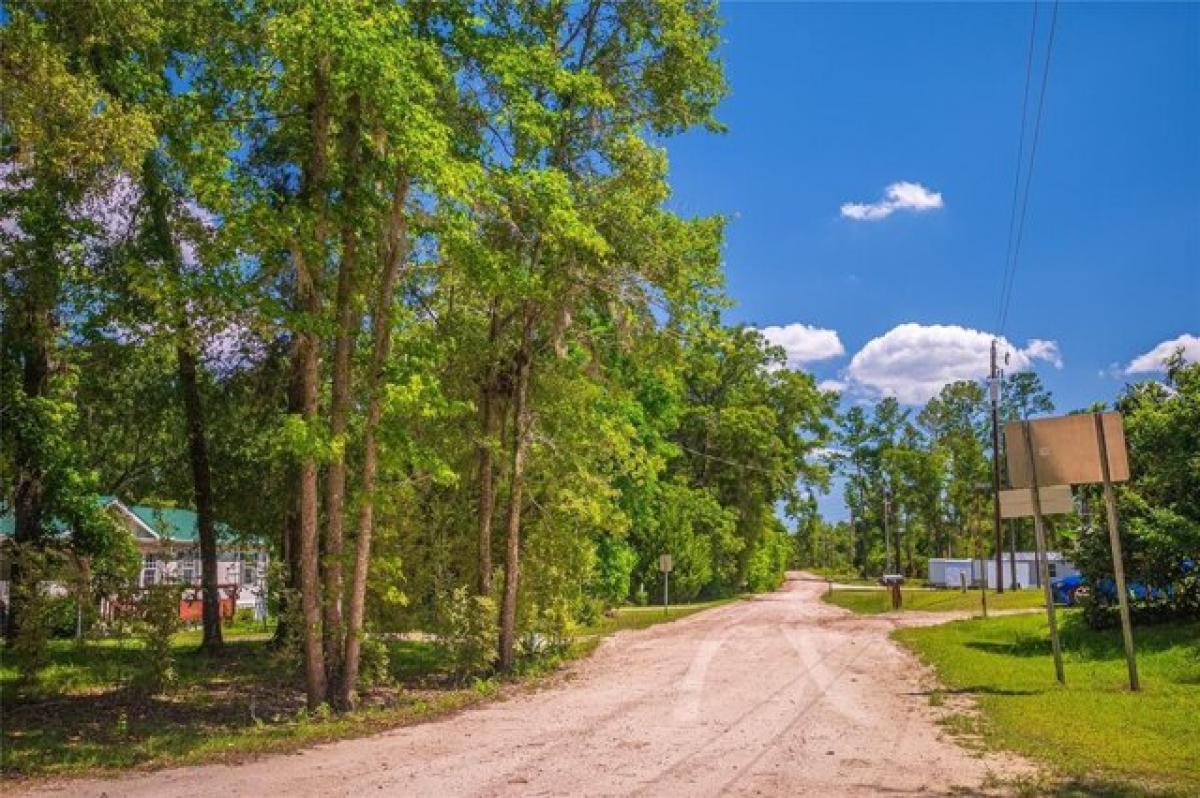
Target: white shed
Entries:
(945, 571)
(948, 572)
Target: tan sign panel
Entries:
(665, 563)
(1018, 503)
(1066, 450)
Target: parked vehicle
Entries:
(1073, 589)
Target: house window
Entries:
(1053, 569)
(187, 568)
(149, 570)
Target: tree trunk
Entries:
(187, 368)
(290, 541)
(339, 409)
(307, 353)
(381, 339)
(202, 491)
(29, 495)
(487, 472)
(522, 431)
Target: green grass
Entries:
(871, 602)
(1096, 736)
(642, 617)
(81, 718)
(841, 576)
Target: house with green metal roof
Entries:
(168, 539)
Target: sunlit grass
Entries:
(873, 601)
(1094, 730)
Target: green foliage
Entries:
(375, 665)
(467, 633)
(1159, 508)
(615, 561)
(158, 616)
(30, 647)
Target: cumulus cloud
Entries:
(803, 343)
(1155, 359)
(832, 385)
(913, 361)
(902, 196)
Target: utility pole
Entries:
(853, 553)
(994, 390)
(887, 537)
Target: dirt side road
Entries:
(779, 695)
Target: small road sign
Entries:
(665, 564)
(1056, 500)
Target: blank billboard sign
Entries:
(1018, 503)
(1066, 450)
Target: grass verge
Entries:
(874, 601)
(80, 719)
(1094, 736)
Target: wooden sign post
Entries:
(1039, 532)
(1114, 539)
(1075, 450)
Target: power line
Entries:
(1037, 129)
(1012, 214)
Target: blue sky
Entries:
(831, 104)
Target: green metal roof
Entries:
(169, 523)
(172, 523)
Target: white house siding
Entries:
(247, 570)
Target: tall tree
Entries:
(60, 159)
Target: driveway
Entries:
(781, 694)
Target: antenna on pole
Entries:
(994, 391)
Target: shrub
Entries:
(61, 616)
(468, 630)
(158, 616)
(288, 652)
(615, 561)
(374, 662)
(589, 611)
(30, 648)
(552, 629)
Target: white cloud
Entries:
(832, 385)
(803, 343)
(904, 196)
(1155, 359)
(913, 361)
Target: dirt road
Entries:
(778, 695)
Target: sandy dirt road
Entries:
(778, 695)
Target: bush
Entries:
(616, 560)
(374, 662)
(641, 597)
(288, 654)
(468, 630)
(158, 616)
(61, 616)
(552, 630)
(30, 648)
(589, 611)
